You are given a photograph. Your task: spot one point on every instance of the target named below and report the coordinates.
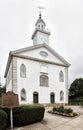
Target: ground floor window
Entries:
(23, 95)
(61, 95)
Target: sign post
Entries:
(11, 118)
(10, 100)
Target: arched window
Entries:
(61, 76)
(23, 95)
(23, 71)
(61, 95)
(43, 80)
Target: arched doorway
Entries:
(35, 97)
(52, 98)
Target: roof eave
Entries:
(37, 59)
(43, 31)
(56, 54)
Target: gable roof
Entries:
(16, 53)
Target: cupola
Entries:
(40, 34)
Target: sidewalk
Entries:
(55, 122)
(36, 126)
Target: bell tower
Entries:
(40, 34)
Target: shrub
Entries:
(61, 109)
(81, 103)
(68, 111)
(55, 109)
(3, 117)
(24, 115)
(76, 101)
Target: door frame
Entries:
(35, 93)
(52, 94)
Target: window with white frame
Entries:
(61, 76)
(23, 95)
(43, 80)
(22, 71)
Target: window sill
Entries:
(44, 86)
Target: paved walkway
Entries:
(55, 122)
(36, 126)
(64, 123)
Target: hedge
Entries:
(25, 115)
(81, 104)
(76, 101)
(3, 117)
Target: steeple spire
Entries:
(40, 34)
(40, 24)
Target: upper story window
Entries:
(43, 80)
(23, 71)
(23, 95)
(61, 76)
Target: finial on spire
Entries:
(40, 10)
(40, 14)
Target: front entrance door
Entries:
(52, 98)
(35, 97)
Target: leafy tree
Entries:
(2, 90)
(76, 88)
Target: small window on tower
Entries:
(42, 27)
(39, 26)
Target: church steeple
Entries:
(40, 34)
(40, 24)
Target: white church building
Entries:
(38, 74)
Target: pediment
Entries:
(42, 52)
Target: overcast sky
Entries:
(63, 17)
